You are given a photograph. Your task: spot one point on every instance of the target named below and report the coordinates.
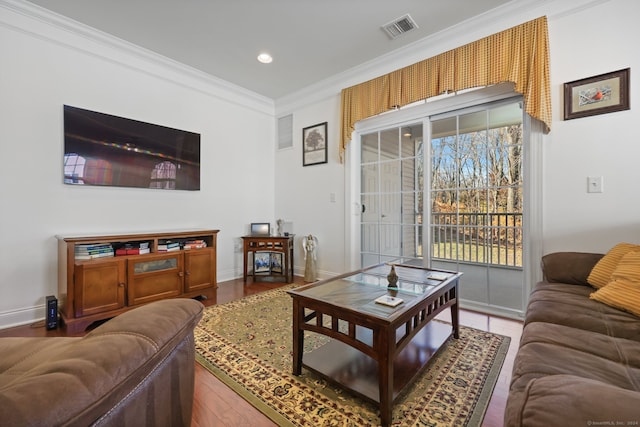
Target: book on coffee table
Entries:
(435, 275)
(389, 300)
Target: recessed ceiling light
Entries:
(265, 58)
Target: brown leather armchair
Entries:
(136, 369)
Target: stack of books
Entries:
(194, 244)
(168, 246)
(133, 249)
(94, 250)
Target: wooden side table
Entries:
(273, 244)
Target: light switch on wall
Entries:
(594, 184)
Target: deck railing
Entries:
(487, 238)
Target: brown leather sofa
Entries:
(137, 369)
(578, 363)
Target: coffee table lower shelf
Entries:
(355, 371)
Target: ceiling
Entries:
(310, 40)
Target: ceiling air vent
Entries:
(399, 26)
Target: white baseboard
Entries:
(22, 316)
(494, 311)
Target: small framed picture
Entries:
(314, 144)
(600, 94)
(262, 262)
(276, 262)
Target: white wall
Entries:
(604, 145)
(586, 38)
(304, 194)
(44, 67)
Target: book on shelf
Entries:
(93, 247)
(92, 251)
(132, 251)
(195, 244)
(133, 248)
(95, 255)
(138, 251)
(167, 245)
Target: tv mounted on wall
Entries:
(105, 150)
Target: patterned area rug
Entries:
(247, 344)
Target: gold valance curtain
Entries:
(519, 55)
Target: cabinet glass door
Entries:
(155, 277)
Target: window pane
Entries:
(390, 207)
(370, 208)
(410, 176)
(411, 140)
(390, 144)
(443, 162)
(390, 239)
(369, 178)
(369, 149)
(390, 177)
(411, 203)
(369, 236)
(412, 241)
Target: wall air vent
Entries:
(399, 26)
(285, 132)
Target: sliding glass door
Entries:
(476, 201)
(458, 205)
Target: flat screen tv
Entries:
(105, 150)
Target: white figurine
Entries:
(280, 223)
(309, 245)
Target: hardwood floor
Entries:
(217, 405)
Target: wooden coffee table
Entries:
(376, 350)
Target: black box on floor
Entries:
(52, 312)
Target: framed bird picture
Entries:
(600, 94)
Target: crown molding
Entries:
(34, 20)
